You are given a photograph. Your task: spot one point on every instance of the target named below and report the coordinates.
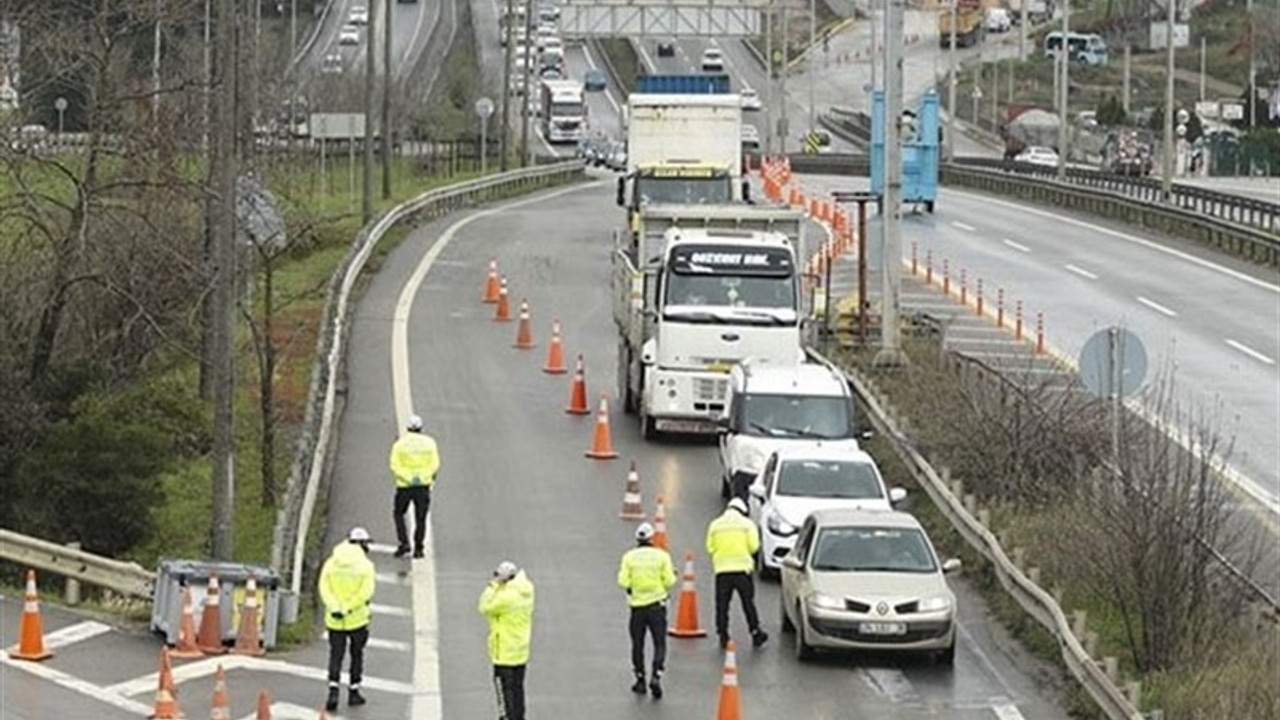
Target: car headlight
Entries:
(935, 603)
(827, 602)
(778, 525)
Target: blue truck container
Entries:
(920, 153)
(706, 84)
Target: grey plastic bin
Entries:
(173, 576)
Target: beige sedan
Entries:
(867, 580)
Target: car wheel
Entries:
(946, 657)
(784, 621)
(804, 651)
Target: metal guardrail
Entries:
(1033, 599)
(125, 578)
(315, 443)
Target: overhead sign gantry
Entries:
(662, 18)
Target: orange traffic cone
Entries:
(166, 707)
(503, 312)
(730, 703)
(209, 639)
(602, 442)
(524, 333)
(31, 628)
(631, 502)
(264, 706)
(578, 392)
(687, 610)
(660, 524)
(555, 352)
(491, 283)
(247, 640)
(186, 646)
(221, 700)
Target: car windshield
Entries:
(872, 549)
(803, 416)
(566, 109)
(829, 479)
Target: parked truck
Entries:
(563, 111)
(969, 24)
(702, 289)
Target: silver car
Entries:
(867, 580)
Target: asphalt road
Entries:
(515, 484)
(411, 25)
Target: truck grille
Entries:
(710, 390)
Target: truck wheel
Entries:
(648, 428)
(624, 380)
(928, 206)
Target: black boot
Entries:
(655, 685)
(331, 703)
(354, 698)
(638, 686)
(759, 638)
(401, 551)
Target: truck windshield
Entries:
(684, 191)
(802, 416)
(566, 109)
(731, 291)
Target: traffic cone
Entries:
(248, 641)
(660, 524)
(221, 701)
(602, 442)
(491, 284)
(209, 639)
(578, 392)
(31, 628)
(555, 352)
(687, 609)
(264, 706)
(524, 334)
(631, 502)
(166, 707)
(186, 646)
(730, 703)
(503, 312)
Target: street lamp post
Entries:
(1064, 75)
(1166, 169)
(61, 106)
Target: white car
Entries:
(750, 99)
(359, 15)
(868, 580)
(712, 60)
(551, 44)
(331, 64)
(797, 481)
(349, 35)
(1037, 155)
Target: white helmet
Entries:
(415, 423)
(505, 570)
(738, 504)
(644, 532)
(358, 535)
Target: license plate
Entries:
(882, 628)
(685, 426)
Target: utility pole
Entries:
(504, 139)
(769, 94)
(873, 54)
(1202, 68)
(1166, 169)
(222, 219)
(370, 77)
(386, 102)
(784, 127)
(208, 72)
(526, 153)
(813, 38)
(1253, 68)
(890, 353)
(1064, 75)
(1128, 49)
(1022, 30)
(951, 84)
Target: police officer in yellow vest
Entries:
(415, 460)
(507, 603)
(732, 542)
(646, 573)
(346, 588)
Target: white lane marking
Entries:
(963, 226)
(1007, 712)
(1250, 351)
(1081, 272)
(893, 684)
(1149, 244)
(391, 578)
(75, 633)
(75, 684)
(1157, 307)
(608, 92)
(198, 669)
(1017, 246)
(427, 703)
(382, 548)
(644, 56)
(390, 610)
(382, 644)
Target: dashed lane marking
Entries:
(1250, 351)
(1081, 272)
(1157, 307)
(962, 226)
(391, 610)
(1017, 246)
(75, 633)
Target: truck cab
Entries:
(774, 407)
(562, 111)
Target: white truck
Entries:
(683, 149)
(700, 290)
(563, 111)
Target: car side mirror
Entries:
(757, 490)
(622, 192)
(897, 495)
(951, 565)
(791, 561)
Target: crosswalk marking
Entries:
(391, 610)
(74, 634)
(382, 644)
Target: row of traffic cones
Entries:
(166, 704)
(193, 643)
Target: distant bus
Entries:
(1089, 49)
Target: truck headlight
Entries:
(778, 525)
(826, 602)
(934, 604)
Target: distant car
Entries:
(331, 64)
(750, 138)
(551, 44)
(359, 15)
(666, 48)
(349, 35)
(998, 20)
(868, 580)
(616, 156)
(1037, 155)
(595, 80)
(551, 73)
(750, 99)
(712, 60)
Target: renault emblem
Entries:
(883, 608)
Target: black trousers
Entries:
(420, 496)
(338, 642)
(727, 583)
(653, 620)
(508, 682)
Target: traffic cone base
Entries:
(578, 392)
(31, 628)
(602, 442)
(186, 646)
(687, 608)
(631, 500)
